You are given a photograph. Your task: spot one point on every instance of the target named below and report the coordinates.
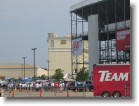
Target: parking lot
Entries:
(41, 94)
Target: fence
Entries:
(50, 92)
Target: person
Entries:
(40, 86)
(52, 86)
(20, 85)
(37, 86)
(0, 90)
(10, 86)
(67, 85)
(61, 86)
(31, 86)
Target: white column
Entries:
(93, 41)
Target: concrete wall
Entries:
(41, 71)
(93, 41)
(16, 71)
(59, 55)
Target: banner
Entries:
(123, 40)
(77, 47)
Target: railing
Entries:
(49, 92)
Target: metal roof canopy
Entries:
(91, 7)
(109, 12)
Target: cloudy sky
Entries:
(24, 24)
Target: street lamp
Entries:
(48, 68)
(34, 61)
(24, 65)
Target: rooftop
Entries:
(14, 66)
(120, 8)
(83, 4)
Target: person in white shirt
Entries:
(31, 86)
(37, 86)
(61, 87)
(40, 85)
(52, 86)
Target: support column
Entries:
(93, 41)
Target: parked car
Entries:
(3, 83)
(88, 86)
(81, 86)
(72, 85)
(76, 85)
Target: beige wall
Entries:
(52, 72)
(16, 71)
(60, 60)
(41, 72)
(59, 54)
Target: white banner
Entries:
(77, 47)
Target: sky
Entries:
(24, 24)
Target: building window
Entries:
(63, 41)
(52, 44)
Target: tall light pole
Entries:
(48, 68)
(24, 65)
(34, 61)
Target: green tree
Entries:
(58, 74)
(43, 77)
(19, 78)
(82, 75)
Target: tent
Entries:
(68, 79)
(26, 80)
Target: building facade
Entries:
(59, 53)
(17, 71)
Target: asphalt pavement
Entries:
(47, 94)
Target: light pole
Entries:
(24, 65)
(34, 61)
(48, 68)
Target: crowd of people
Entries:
(38, 85)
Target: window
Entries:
(63, 41)
(52, 44)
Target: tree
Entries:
(19, 78)
(43, 77)
(82, 75)
(58, 74)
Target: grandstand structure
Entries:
(104, 27)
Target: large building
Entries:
(59, 53)
(17, 71)
(107, 23)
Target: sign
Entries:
(77, 47)
(123, 40)
(107, 76)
